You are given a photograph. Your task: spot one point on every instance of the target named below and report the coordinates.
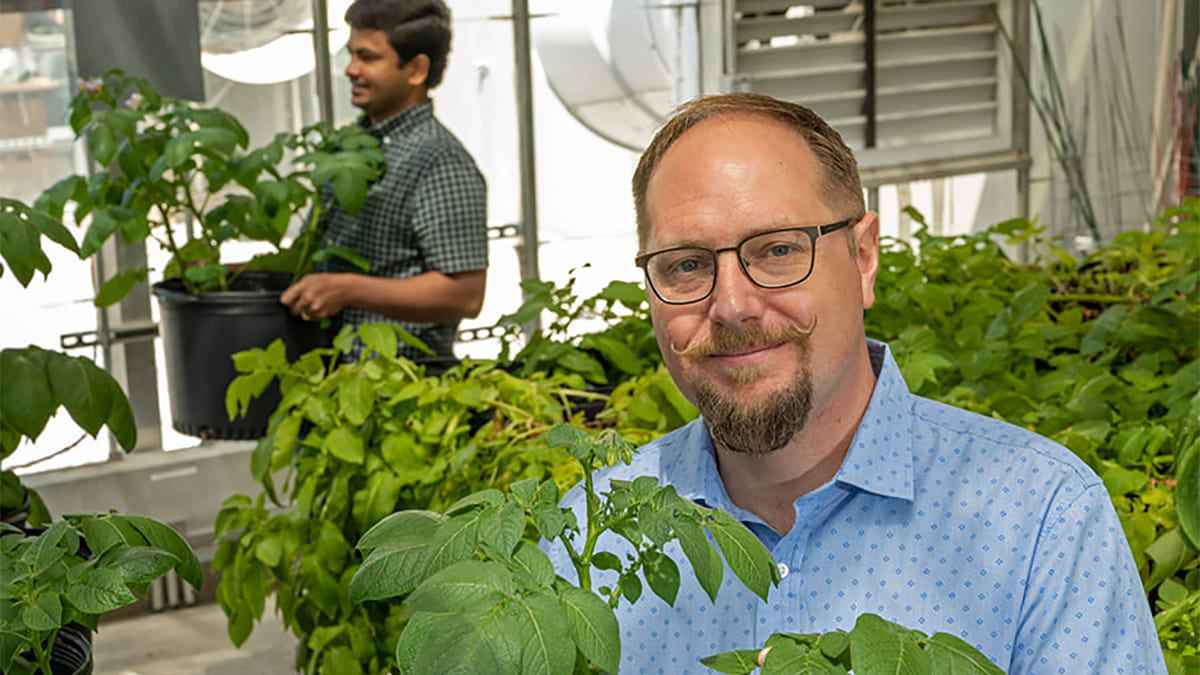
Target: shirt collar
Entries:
(880, 457)
(879, 460)
(400, 123)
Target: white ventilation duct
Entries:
(263, 41)
(615, 64)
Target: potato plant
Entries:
(485, 599)
(349, 445)
(874, 646)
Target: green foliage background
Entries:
(1099, 354)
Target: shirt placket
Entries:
(785, 609)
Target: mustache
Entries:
(727, 339)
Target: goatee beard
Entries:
(762, 428)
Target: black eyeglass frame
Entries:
(813, 232)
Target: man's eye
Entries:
(687, 266)
(780, 250)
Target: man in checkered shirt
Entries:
(424, 226)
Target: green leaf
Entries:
(82, 387)
(922, 367)
(120, 418)
(99, 533)
(116, 288)
(26, 399)
(102, 227)
(140, 565)
(525, 491)
(454, 541)
(1028, 301)
(662, 574)
(1170, 552)
(391, 570)
(1119, 480)
(603, 560)
(163, 537)
(789, 658)
(550, 520)
(481, 644)
(706, 562)
(1104, 325)
(269, 549)
(617, 352)
(349, 255)
(102, 142)
(501, 529)
(418, 633)
(593, 626)
(1187, 493)
(49, 547)
(379, 337)
(630, 586)
(45, 614)
(540, 628)
(323, 635)
(878, 647)
(100, 590)
(486, 497)
(461, 585)
(745, 554)
(402, 528)
(346, 444)
(340, 661)
(53, 229)
(378, 498)
(356, 400)
(953, 656)
(531, 567)
(21, 247)
(738, 662)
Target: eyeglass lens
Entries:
(771, 259)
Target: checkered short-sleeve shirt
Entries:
(428, 212)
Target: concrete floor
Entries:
(190, 641)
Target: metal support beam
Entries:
(321, 49)
(869, 74)
(523, 75)
(1020, 113)
(130, 361)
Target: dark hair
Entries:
(412, 26)
(841, 187)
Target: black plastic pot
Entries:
(71, 653)
(201, 333)
(17, 515)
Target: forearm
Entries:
(431, 297)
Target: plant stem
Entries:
(42, 654)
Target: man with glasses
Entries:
(760, 258)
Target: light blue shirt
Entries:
(938, 519)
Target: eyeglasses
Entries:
(775, 259)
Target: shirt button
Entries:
(783, 570)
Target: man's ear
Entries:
(865, 249)
(418, 70)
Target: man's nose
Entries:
(735, 298)
(351, 68)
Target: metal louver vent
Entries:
(901, 80)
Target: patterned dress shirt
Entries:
(428, 212)
(938, 519)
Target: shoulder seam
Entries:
(1079, 476)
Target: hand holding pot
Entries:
(317, 296)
